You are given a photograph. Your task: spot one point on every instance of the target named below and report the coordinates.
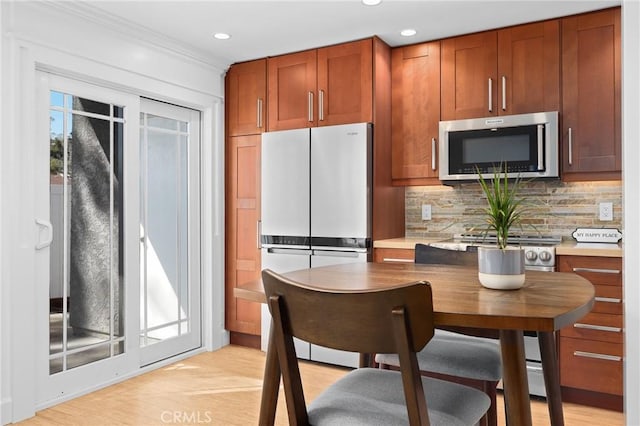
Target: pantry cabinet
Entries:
(242, 212)
(321, 87)
(415, 115)
(246, 96)
(591, 123)
(515, 70)
(591, 351)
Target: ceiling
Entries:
(267, 28)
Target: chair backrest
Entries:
(430, 255)
(427, 254)
(397, 320)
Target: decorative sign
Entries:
(597, 235)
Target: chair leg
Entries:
(491, 417)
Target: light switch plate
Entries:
(606, 211)
(426, 212)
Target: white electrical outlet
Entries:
(426, 212)
(606, 211)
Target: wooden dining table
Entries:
(547, 302)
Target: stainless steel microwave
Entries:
(526, 143)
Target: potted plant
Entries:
(501, 267)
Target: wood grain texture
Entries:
(547, 301)
(223, 389)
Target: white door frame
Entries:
(77, 380)
(192, 339)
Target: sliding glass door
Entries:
(118, 244)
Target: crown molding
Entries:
(124, 28)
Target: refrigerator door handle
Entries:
(298, 252)
(336, 253)
(259, 234)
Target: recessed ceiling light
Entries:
(408, 32)
(222, 36)
(371, 2)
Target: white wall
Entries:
(631, 160)
(56, 37)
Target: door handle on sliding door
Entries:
(46, 225)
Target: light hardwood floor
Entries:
(223, 388)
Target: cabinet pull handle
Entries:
(258, 232)
(596, 270)
(321, 105)
(570, 146)
(433, 154)
(608, 299)
(259, 121)
(490, 95)
(310, 106)
(598, 327)
(597, 356)
(396, 260)
(504, 94)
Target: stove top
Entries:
(528, 240)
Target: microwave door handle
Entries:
(540, 146)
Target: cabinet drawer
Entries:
(608, 300)
(598, 270)
(594, 366)
(595, 326)
(387, 255)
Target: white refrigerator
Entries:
(316, 208)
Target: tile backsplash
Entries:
(553, 208)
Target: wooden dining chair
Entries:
(453, 356)
(397, 320)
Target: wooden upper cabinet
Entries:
(321, 87)
(292, 87)
(345, 83)
(246, 95)
(515, 70)
(529, 68)
(591, 125)
(415, 113)
(469, 68)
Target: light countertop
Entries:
(565, 248)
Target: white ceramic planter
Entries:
(501, 269)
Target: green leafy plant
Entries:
(505, 207)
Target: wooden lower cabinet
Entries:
(393, 255)
(591, 351)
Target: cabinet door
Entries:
(529, 68)
(415, 100)
(393, 255)
(292, 87)
(591, 100)
(242, 262)
(246, 93)
(469, 69)
(345, 91)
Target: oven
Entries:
(540, 255)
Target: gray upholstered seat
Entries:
(458, 355)
(370, 396)
(453, 356)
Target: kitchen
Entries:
(414, 199)
(434, 212)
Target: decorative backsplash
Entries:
(553, 208)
